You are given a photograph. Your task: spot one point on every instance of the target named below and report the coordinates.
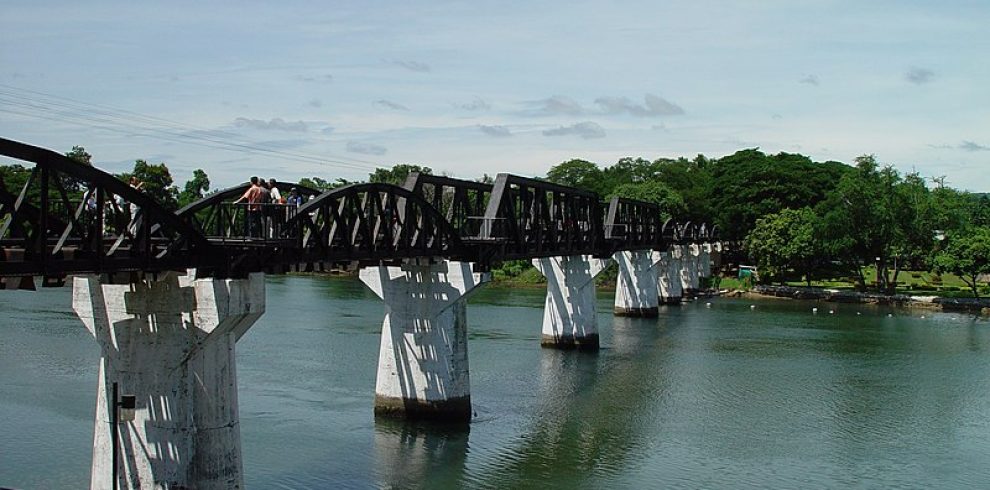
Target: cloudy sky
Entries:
(333, 89)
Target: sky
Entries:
(334, 89)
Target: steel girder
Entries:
(71, 217)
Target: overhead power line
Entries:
(13, 100)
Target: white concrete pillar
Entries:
(170, 342)
(664, 285)
(570, 318)
(423, 359)
(636, 287)
(687, 269)
(716, 256)
(692, 266)
(675, 289)
(705, 261)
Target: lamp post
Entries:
(121, 410)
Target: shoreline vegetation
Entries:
(924, 291)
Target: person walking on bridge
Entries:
(252, 219)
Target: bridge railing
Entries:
(257, 224)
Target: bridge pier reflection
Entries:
(423, 359)
(636, 287)
(170, 342)
(570, 317)
(410, 455)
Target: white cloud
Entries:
(388, 104)
(586, 130)
(919, 76)
(653, 106)
(365, 148)
(557, 105)
(276, 124)
(495, 131)
(415, 66)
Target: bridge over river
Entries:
(168, 294)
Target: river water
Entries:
(726, 396)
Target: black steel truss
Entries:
(50, 230)
(372, 222)
(46, 229)
(533, 218)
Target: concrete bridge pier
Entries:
(675, 288)
(693, 267)
(570, 319)
(716, 256)
(423, 359)
(688, 271)
(664, 285)
(636, 287)
(705, 261)
(170, 343)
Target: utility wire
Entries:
(108, 118)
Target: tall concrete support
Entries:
(170, 343)
(423, 359)
(693, 267)
(716, 256)
(636, 288)
(689, 271)
(664, 283)
(570, 319)
(675, 288)
(705, 261)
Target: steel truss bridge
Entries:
(47, 230)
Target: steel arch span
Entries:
(70, 217)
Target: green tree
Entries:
(967, 254)
(323, 185)
(874, 214)
(195, 188)
(748, 185)
(785, 241)
(158, 183)
(80, 155)
(692, 180)
(581, 174)
(397, 174)
(656, 192)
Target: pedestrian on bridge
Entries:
(253, 197)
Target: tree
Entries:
(785, 241)
(692, 180)
(577, 173)
(80, 155)
(869, 213)
(967, 255)
(158, 183)
(656, 192)
(397, 174)
(748, 185)
(323, 185)
(194, 188)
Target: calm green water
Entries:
(719, 397)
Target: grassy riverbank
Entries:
(911, 283)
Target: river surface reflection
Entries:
(726, 396)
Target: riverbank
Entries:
(972, 305)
